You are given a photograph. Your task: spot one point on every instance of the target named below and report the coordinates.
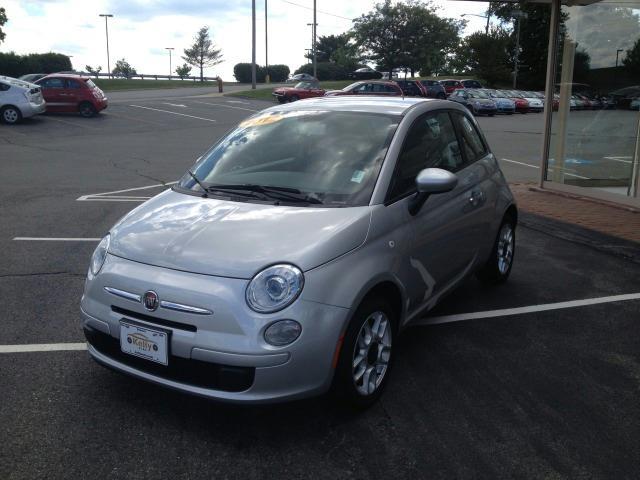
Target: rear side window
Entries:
(4, 87)
(431, 142)
(73, 83)
(470, 139)
(52, 83)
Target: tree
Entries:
(3, 20)
(93, 71)
(407, 35)
(183, 71)
(631, 61)
(487, 56)
(203, 52)
(123, 69)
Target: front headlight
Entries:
(274, 288)
(99, 255)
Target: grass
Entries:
(113, 84)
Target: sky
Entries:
(141, 29)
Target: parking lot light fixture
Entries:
(106, 29)
(169, 48)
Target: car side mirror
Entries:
(431, 181)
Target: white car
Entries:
(536, 104)
(19, 99)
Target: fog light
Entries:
(282, 332)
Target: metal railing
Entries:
(144, 76)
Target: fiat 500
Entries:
(286, 262)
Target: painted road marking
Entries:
(538, 166)
(42, 347)
(174, 113)
(522, 310)
(226, 106)
(622, 159)
(55, 239)
(112, 197)
(175, 105)
(53, 347)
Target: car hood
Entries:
(482, 101)
(235, 239)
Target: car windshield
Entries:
(332, 157)
(477, 94)
(306, 85)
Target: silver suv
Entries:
(288, 259)
(19, 100)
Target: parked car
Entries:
(299, 91)
(503, 103)
(635, 104)
(32, 77)
(536, 104)
(289, 258)
(379, 87)
(450, 86)
(365, 73)
(434, 89)
(478, 102)
(522, 106)
(302, 77)
(412, 88)
(471, 83)
(576, 103)
(19, 100)
(72, 93)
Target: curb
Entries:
(573, 233)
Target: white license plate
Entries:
(144, 342)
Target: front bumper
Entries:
(223, 355)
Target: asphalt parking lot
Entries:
(549, 390)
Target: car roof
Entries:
(67, 75)
(16, 82)
(356, 103)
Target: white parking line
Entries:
(521, 310)
(545, 307)
(42, 347)
(174, 113)
(537, 166)
(55, 239)
(175, 105)
(622, 159)
(226, 106)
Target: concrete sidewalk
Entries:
(603, 225)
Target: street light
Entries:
(106, 29)
(267, 79)
(169, 48)
(488, 16)
(618, 53)
(518, 14)
(313, 44)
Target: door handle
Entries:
(476, 197)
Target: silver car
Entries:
(19, 99)
(285, 263)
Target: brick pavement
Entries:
(615, 220)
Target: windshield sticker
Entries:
(262, 120)
(357, 176)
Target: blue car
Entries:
(478, 102)
(503, 103)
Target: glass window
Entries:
(53, 83)
(4, 87)
(332, 156)
(470, 140)
(72, 83)
(431, 142)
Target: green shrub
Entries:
(325, 71)
(278, 73)
(14, 65)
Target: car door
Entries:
(72, 94)
(445, 230)
(52, 87)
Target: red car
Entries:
(371, 87)
(300, 90)
(72, 93)
(451, 85)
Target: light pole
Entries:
(487, 16)
(313, 46)
(253, 44)
(308, 50)
(618, 53)
(169, 48)
(267, 79)
(106, 29)
(518, 14)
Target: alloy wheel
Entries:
(372, 353)
(505, 248)
(10, 115)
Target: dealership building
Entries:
(591, 150)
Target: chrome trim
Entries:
(122, 294)
(178, 307)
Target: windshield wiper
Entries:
(280, 193)
(204, 189)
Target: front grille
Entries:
(183, 370)
(156, 320)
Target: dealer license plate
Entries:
(144, 342)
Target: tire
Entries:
(498, 267)
(10, 115)
(376, 356)
(87, 110)
(294, 98)
(282, 100)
